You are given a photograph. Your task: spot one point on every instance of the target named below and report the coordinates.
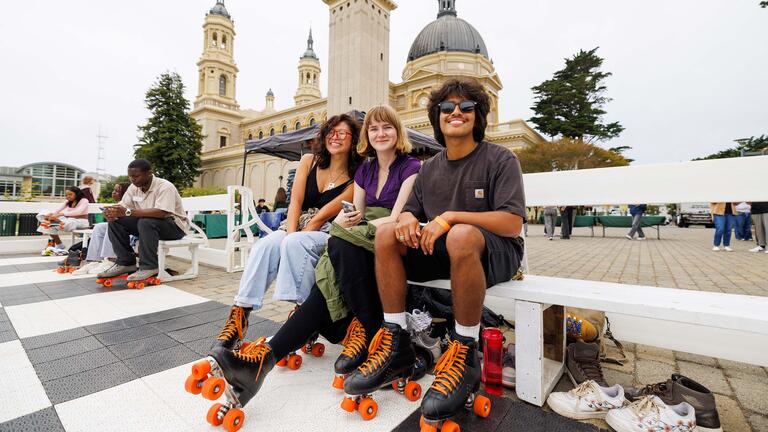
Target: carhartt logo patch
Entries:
(479, 193)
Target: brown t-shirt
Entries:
(162, 195)
(488, 179)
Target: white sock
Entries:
(243, 305)
(470, 332)
(396, 318)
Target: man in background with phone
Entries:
(471, 194)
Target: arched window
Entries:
(215, 40)
(285, 128)
(261, 134)
(312, 122)
(223, 41)
(222, 85)
(272, 132)
(298, 126)
(250, 137)
(309, 78)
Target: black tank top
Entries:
(313, 198)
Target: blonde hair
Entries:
(386, 114)
(87, 180)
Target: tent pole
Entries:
(245, 156)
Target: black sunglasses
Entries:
(447, 107)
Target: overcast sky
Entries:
(689, 76)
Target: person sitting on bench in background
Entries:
(151, 209)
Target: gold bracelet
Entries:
(446, 226)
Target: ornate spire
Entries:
(310, 52)
(219, 9)
(446, 7)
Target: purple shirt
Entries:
(367, 177)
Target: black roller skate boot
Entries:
(234, 330)
(354, 354)
(236, 374)
(391, 361)
(457, 381)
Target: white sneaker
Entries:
(757, 249)
(728, 249)
(588, 400)
(652, 414)
(716, 249)
(101, 267)
(641, 238)
(629, 237)
(86, 268)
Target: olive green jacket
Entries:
(325, 277)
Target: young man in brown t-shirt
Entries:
(471, 194)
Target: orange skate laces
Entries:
(234, 324)
(354, 341)
(376, 356)
(450, 367)
(254, 352)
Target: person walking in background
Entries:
(724, 217)
(566, 222)
(550, 221)
(760, 221)
(743, 222)
(86, 189)
(637, 211)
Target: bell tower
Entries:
(358, 64)
(216, 68)
(309, 75)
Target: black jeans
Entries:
(150, 232)
(355, 273)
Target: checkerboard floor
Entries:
(78, 356)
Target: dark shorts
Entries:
(501, 260)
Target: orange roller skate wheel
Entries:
(71, 270)
(131, 285)
(213, 388)
(156, 281)
(283, 362)
(201, 369)
(395, 386)
(412, 391)
(213, 415)
(193, 385)
(482, 406)
(99, 280)
(304, 349)
(426, 427)
(450, 426)
(140, 285)
(233, 420)
(338, 382)
(368, 409)
(348, 404)
(294, 362)
(60, 270)
(318, 350)
(108, 283)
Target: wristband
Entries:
(442, 223)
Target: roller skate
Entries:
(70, 263)
(457, 381)
(48, 250)
(293, 360)
(391, 361)
(428, 349)
(238, 375)
(234, 330)
(140, 284)
(354, 354)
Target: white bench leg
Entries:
(162, 274)
(537, 375)
(194, 259)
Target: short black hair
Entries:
(141, 164)
(262, 200)
(465, 88)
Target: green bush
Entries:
(193, 191)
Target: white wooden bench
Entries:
(192, 242)
(727, 326)
(241, 203)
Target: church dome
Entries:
(447, 33)
(219, 9)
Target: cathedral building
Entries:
(358, 78)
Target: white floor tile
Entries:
(22, 392)
(127, 407)
(40, 276)
(289, 400)
(67, 313)
(29, 260)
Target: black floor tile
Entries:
(179, 323)
(31, 343)
(203, 307)
(161, 360)
(88, 382)
(143, 346)
(111, 326)
(63, 350)
(45, 420)
(8, 336)
(200, 346)
(210, 330)
(75, 364)
(218, 315)
(127, 335)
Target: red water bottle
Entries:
(493, 354)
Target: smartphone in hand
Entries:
(348, 207)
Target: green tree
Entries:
(171, 140)
(749, 145)
(567, 154)
(106, 191)
(571, 103)
(620, 151)
(764, 4)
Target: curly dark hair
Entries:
(324, 156)
(468, 89)
(78, 195)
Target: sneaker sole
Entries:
(563, 411)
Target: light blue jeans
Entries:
(99, 246)
(289, 258)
